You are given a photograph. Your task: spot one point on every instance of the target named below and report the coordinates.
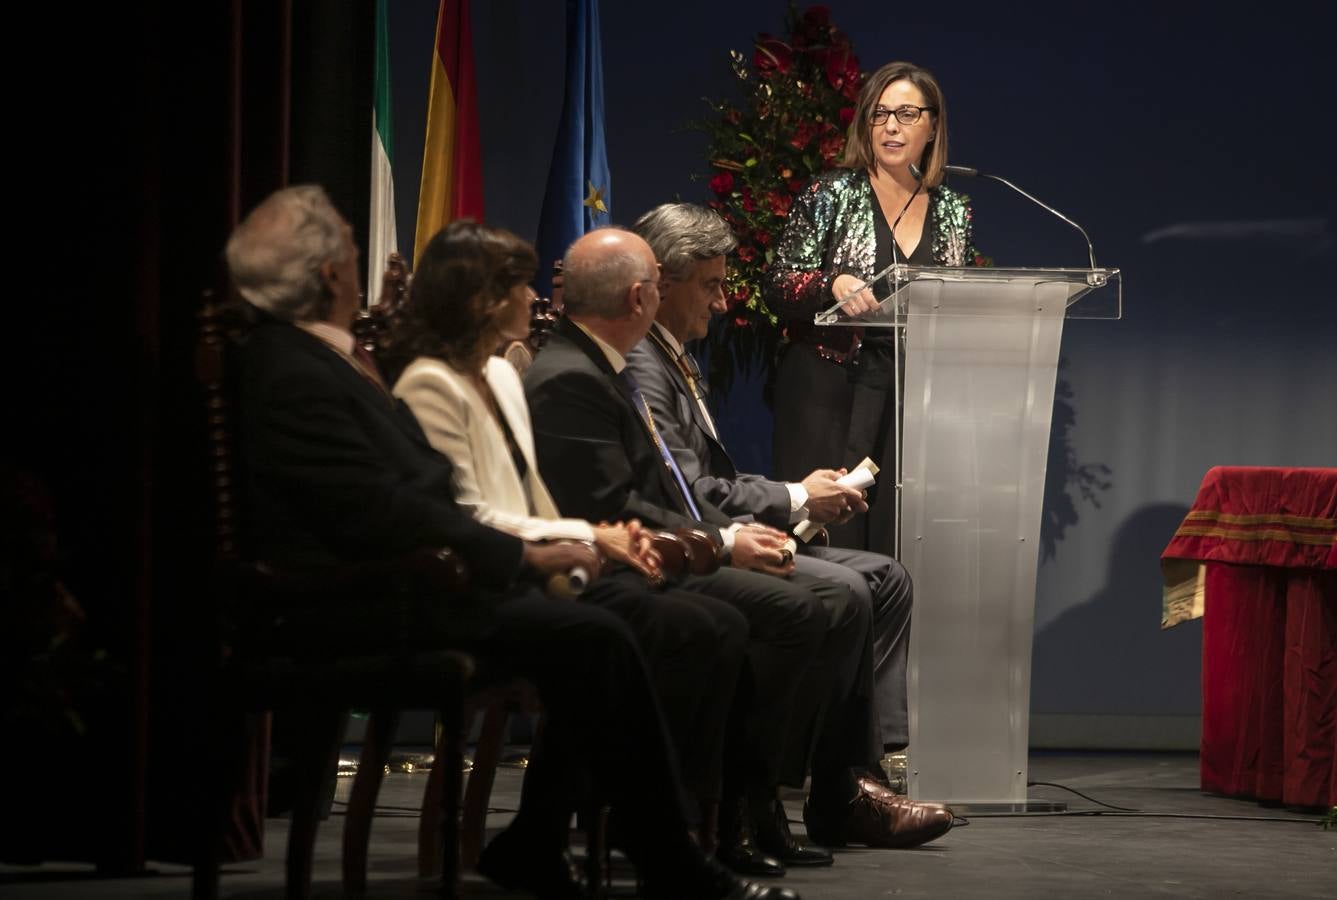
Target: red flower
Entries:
(732, 116)
(804, 133)
(846, 115)
(772, 56)
(748, 205)
(841, 67)
(722, 184)
(764, 237)
(795, 185)
(779, 202)
(746, 253)
(831, 146)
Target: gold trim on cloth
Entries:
(1257, 519)
(1269, 534)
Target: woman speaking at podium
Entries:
(835, 401)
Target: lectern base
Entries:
(977, 808)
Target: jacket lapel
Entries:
(584, 344)
(719, 456)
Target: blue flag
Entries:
(578, 198)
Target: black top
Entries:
(923, 256)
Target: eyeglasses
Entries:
(906, 115)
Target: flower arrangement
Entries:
(797, 103)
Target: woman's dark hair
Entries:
(461, 281)
(859, 141)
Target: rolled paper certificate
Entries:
(861, 478)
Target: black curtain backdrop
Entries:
(126, 199)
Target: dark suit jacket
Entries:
(703, 460)
(336, 470)
(594, 451)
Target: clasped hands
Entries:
(629, 543)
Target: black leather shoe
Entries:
(737, 849)
(515, 863)
(773, 837)
(713, 882)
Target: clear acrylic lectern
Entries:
(978, 353)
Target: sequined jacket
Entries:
(830, 233)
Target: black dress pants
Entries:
(602, 716)
(694, 645)
(788, 629)
(888, 589)
(828, 416)
(834, 724)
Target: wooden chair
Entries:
(259, 612)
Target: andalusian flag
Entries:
(577, 199)
(383, 240)
(452, 166)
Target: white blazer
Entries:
(457, 422)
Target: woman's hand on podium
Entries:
(858, 304)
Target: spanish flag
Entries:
(452, 165)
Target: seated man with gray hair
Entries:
(337, 469)
(691, 244)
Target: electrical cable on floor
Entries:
(1129, 812)
(1064, 787)
(1146, 815)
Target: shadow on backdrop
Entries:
(1067, 479)
(1109, 654)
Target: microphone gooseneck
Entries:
(969, 172)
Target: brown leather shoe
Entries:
(878, 818)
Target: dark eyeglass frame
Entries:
(906, 114)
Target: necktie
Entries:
(692, 372)
(643, 408)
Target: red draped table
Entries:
(1256, 557)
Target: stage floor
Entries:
(1192, 848)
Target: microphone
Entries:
(570, 584)
(969, 172)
